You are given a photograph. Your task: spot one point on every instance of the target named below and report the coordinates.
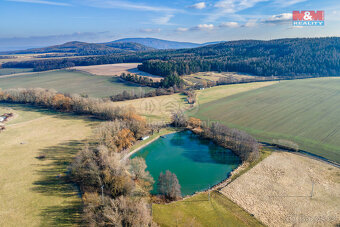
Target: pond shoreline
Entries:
(206, 166)
(130, 153)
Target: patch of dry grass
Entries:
(215, 76)
(278, 191)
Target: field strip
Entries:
(28, 73)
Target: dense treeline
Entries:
(286, 58)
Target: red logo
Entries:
(308, 15)
(308, 18)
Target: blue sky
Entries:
(31, 23)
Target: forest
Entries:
(283, 58)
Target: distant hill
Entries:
(284, 58)
(115, 47)
(82, 48)
(160, 43)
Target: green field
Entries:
(200, 211)
(34, 191)
(71, 82)
(9, 71)
(306, 112)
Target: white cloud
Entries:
(162, 20)
(227, 7)
(286, 3)
(203, 27)
(41, 2)
(280, 18)
(200, 5)
(150, 30)
(119, 4)
(232, 6)
(229, 25)
(182, 29)
(251, 23)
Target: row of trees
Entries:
(241, 143)
(191, 96)
(128, 95)
(143, 80)
(67, 103)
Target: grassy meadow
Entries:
(33, 190)
(9, 71)
(199, 211)
(303, 111)
(74, 82)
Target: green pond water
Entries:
(198, 163)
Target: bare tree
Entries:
(179, 119)
(168, 186)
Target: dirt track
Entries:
(278, 191)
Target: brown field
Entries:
(116, 70)
(20, 57)
(156, 108)
(278, 191)
(215, 76)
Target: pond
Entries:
(198, 163)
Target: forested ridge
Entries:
(286, 58)
(83, 49)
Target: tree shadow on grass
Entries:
(54, 181)
(66, 215)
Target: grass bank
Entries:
(203, 210)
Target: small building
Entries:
(145, 137)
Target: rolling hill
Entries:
(114, 47)
(159, 43)
(164, 44)
(82, 48)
